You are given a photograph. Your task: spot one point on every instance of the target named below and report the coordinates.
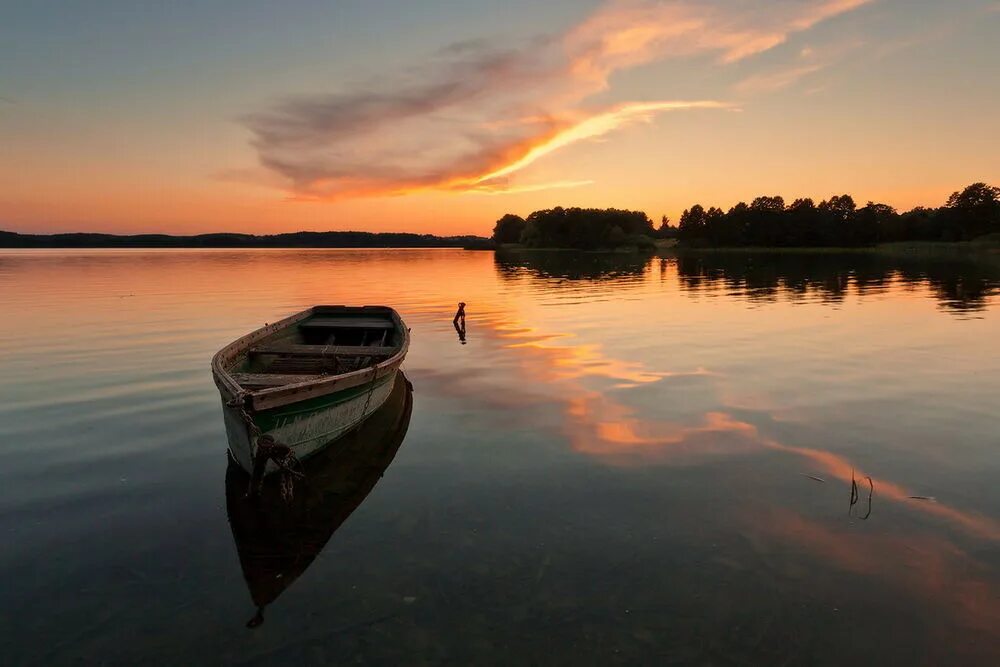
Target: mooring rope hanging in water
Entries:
(266, 449)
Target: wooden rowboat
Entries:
(277, 539)
(305, 381)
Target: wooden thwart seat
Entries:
(331, 322)
(304, 366)
(323, 351)
(271, 379)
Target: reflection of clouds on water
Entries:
(610, 432)
(600, 424)
(928, 569)
(845, 470)
(911, 567)
(569, 362)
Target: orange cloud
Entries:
(478, 116)
(590, 128)
(626, 33)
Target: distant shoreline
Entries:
(349, 239)
(404, 240)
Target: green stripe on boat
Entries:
(271, 419)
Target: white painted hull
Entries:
(308, 431)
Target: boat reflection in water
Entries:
(278, 537)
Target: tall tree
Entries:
(692, 223)
(975, 210)
(509, 229)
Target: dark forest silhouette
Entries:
(838, 222)
(765, 222)
(579, 228)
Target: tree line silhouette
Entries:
(767, 221)
(579, 228)
(838, 222)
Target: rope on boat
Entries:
(371, 390)
(267, 449)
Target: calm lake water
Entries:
(634, 460)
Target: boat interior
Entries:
(330, 340)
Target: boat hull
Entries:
(288, 380)
(306, 427)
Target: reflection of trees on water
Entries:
(960, 283)
(568, 265)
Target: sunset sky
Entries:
(439, 116)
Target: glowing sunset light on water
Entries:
(600, 420)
